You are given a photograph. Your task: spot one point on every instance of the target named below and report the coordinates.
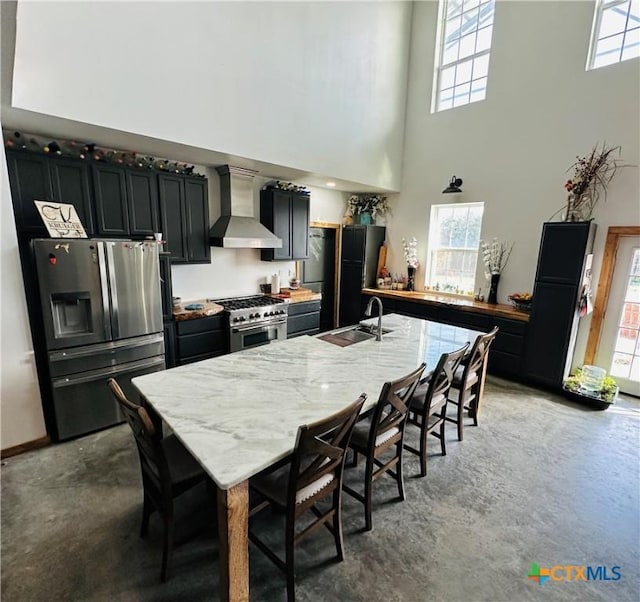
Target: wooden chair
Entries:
(468, 381)
(168, 470)
(429, 404)
(381, 434)
(314, 473)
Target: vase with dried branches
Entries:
(591, 177)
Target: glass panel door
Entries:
(619, 350)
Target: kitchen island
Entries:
(239, 414)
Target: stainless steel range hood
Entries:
(237, 226)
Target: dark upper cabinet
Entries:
(126, 201)
(553, 325)
(39, 177)
(142, 201)
(70, 183)
(360, 248)
(172, 212)
(196, 200)
(114, 201)
(286, 214)
(184, 209)
(30, 180)
(562, 251)
(110, 199)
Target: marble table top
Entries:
(239, 413)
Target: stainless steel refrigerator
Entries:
(102, 318)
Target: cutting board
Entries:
(209, 308)
(382, 259)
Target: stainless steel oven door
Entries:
(254, 335)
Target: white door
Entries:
(619, 349)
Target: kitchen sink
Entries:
(352, 334)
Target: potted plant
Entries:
(366, 206)
(601, 398)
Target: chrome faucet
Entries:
(367, 312)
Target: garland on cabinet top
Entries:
(92, 152)
(288, 186)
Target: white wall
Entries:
(512, 150)
(21, 414)
(318, 86)
(234, 272)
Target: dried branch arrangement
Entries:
(591, 176)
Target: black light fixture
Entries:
(454, 185)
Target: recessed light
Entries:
(331, 184)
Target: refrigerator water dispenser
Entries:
(71, 313)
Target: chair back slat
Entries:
(320, 448)
(153, 461)
(393, 404)
(474, 363)
(442, 377)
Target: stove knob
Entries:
(251, 316)
(241, 318)
(235, 319)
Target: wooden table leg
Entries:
(233, 527)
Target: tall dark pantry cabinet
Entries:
(360, 248)
(554, 314)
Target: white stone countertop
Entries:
(239, 413)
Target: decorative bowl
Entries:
(521, 303)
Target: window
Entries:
(454, 238)
(616, 32)
(462, 53)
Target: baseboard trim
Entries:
(25, 447)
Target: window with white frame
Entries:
(452, 253)
(615, 35)
(462, 52)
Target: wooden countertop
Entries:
(430, 298)
(296, 295)
(209, 308)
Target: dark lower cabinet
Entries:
(506, 352)
(303, 318)
(169, 329)
(201, 338)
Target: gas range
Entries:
(256, 309)
(255, 321)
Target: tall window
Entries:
(462, 53)
(616, 32)
(454, 238)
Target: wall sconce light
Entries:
(454, 185)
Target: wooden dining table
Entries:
(239, 413)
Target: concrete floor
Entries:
(540, 480)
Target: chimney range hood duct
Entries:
(237, 227)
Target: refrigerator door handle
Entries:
(68, 381)
(113, 287)
(104, 286)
